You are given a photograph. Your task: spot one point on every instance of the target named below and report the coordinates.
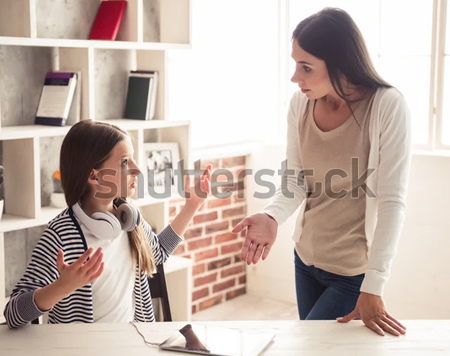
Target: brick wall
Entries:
(218, 274)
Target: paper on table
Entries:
(154, 337)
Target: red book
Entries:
(107, 22)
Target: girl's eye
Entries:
(125, 162)
(306, 69)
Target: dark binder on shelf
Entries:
(107, 21)
(56, 98)
(141, 95)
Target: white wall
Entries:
(227, 83)
(274, 277)
(419, 287)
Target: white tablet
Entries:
(217, 341)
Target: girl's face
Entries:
(118, 175)
(310, 74)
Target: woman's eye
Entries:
(125, 162)
(306, 69)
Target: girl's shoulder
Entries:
(63, 217)
(64, 227)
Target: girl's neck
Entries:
(91, 205)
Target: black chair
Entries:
(158, 290)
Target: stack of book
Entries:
(60, 100)
(141, 95)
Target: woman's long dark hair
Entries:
(332, 36)
(87, 145)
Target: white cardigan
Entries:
(390, 156)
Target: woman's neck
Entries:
(335, 103)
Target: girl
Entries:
(348, 155)
(92, 261)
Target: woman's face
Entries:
(118, 175)
(310, 74)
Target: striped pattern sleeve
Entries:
(41, 271)
(61, 233)
(143, 311)
(162, 244)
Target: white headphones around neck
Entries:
(105, 225)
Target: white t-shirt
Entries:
(112, 291)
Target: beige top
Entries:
(390, 157)
(335, 162)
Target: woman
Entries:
(348, 156)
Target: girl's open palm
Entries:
(197, 194)
(80, 272)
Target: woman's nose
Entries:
(296, 78)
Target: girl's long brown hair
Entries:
(87, 145)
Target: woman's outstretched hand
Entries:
(261, 234)
(371, 310)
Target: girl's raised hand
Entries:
(80, 272)
(197, 194)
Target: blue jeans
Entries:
(323, 295)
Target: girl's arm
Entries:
(47, 280)
(195, 197)
(72, 277)
(40, 272)
(168, 239)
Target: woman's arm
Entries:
(393, 173)
(391, 190)
(262, 227)
(291, 193)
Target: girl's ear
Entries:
(93, 177)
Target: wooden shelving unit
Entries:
(37, 36)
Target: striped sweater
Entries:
(63, 232)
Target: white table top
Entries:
(424, 337)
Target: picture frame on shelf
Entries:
(161, 161)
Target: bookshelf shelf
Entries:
(29, 131)
(128, 124)
(14, 222)
(38, 36)
(94, 44)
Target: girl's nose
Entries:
(133, 168)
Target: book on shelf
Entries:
(107, 21)
(56, 99)
(75, 109)
(142, 88)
